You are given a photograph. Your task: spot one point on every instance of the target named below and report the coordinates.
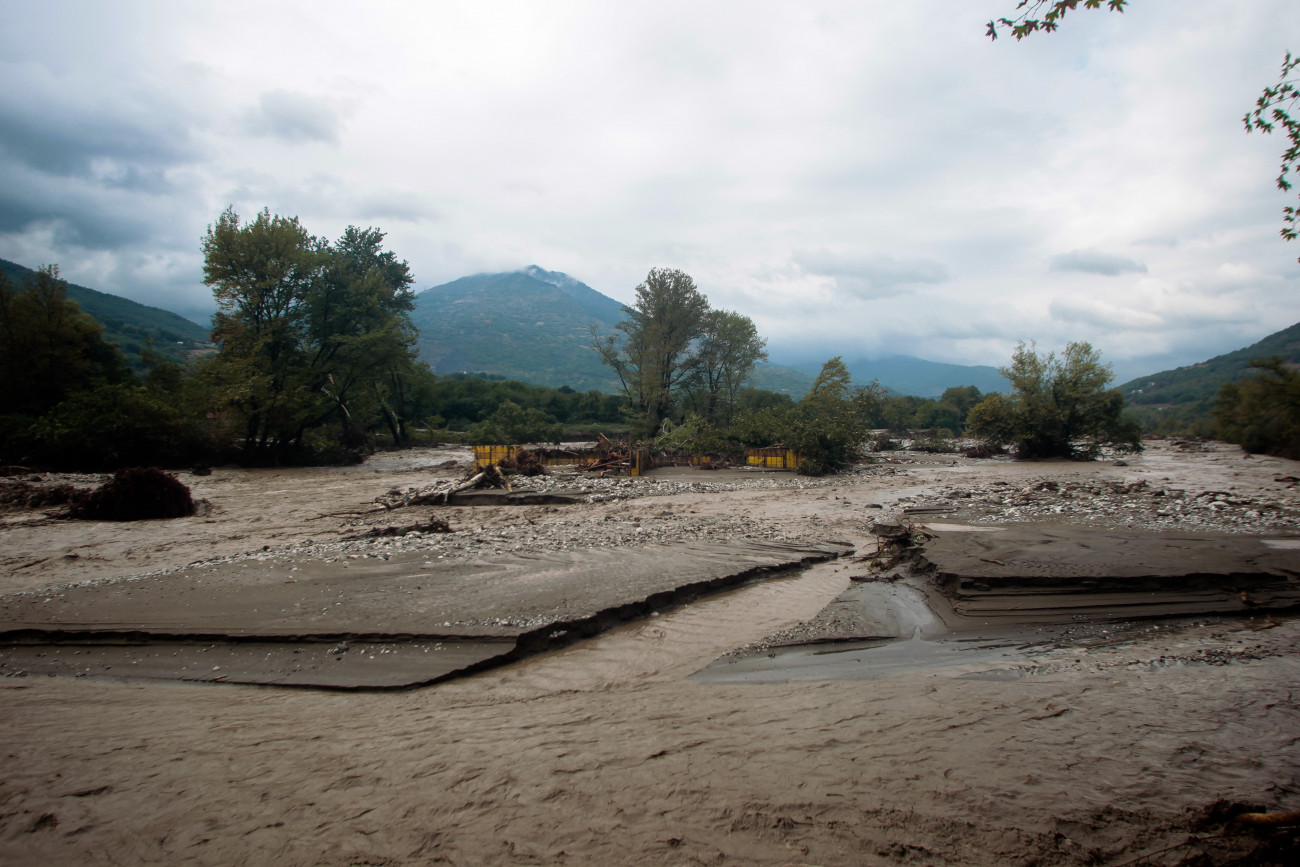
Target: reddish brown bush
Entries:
(136, 494)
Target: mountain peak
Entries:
(555, 278)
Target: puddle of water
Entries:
(1282, 543)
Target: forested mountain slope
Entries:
(127, 323)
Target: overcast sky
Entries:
(861, 178)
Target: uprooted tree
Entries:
(1059, 407)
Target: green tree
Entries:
(655, 358)
(49, 349)
(829, 427)
(728, 350)
(310, 335)
(262, 275)
(1262, 413)
(359, 335)
(511, 424)
(1059, 407)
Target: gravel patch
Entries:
(1114, 505)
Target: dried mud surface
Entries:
(1125, 741)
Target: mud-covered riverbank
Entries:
(1108, 740)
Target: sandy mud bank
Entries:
(400, 621)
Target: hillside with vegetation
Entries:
(127, 324)
(535, 326)
(1181, 401)
(908, 375)
(515, 325)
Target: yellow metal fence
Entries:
(773, 459)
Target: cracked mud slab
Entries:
(1051, 573)
(374, 623)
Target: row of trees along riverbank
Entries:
(315, 362)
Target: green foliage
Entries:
(512, 424)
(756, 399)
(728, 349)
(654, 358)
(1262, 413)
(1273, 109)
(461, 401)
(49, 349)
(116, 425)
(130, 326)
(1059, 407)
(1023, 25)
(695, 436)
(908, 412)
(311, 335)
(829, 427)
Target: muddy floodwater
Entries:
(1067, 664)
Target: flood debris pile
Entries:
(34, 493)
(1114, 504)
(440, 494)
(135, 494)
(609, 457)
(523, 463)
(898, 543)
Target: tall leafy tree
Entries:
(728, 350)
(263, 274)
(310, 334)
(655, 357)
(49, 349)
(359, 334)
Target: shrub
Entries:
(114, 426)
(937, 441)
(1059, 408)
(695, 436)
(1262, 414)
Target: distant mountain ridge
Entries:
(906, 374)
(1201, 382)
(128, 323)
